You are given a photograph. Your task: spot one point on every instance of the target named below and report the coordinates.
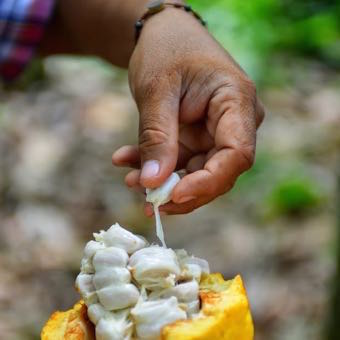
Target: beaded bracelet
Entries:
(159, 5)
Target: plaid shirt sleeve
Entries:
(22, 24)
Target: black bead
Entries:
(138, 25)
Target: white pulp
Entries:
(160, 196)
(133, 290)
(152, 316)
(155, 267)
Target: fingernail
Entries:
(186, 199)
(117, 153)
(150, 169)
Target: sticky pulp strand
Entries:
(159, 227)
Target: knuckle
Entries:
(260, 116)
(248, 154)
(214, 102)
(151, 137)
(246, 91)
(248, 86)
(216, 105)
(260, 113)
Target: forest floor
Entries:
(57, 186)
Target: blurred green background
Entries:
(60, 123)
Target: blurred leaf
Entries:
(294, 196)
(255, 32)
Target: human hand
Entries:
(198, 111)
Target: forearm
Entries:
(95, 27)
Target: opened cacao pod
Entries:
(224, 314)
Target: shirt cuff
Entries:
(22, 25)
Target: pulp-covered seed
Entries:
(184, 292)
(84, 284)
(192, 267)
(115, 327)
(162, 194)
(151, 316)
(154, 267)
(86, 266)
(110, 257)
(120, 296)
(116, 236)
(191, 272)
(95, 312)
(203, 264)
(111, 276)
(90, 249)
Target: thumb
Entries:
(158, 136)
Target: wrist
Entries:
(157, 6)
(163, 26)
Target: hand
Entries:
(198, 111)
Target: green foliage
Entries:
(278, 187)
(294, 196)
(255, 32)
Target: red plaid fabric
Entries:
(22, 25)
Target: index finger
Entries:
(235, 140)
(217, 177)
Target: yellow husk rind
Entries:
(224, 315)
(70, 325)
